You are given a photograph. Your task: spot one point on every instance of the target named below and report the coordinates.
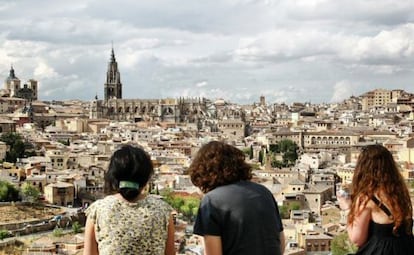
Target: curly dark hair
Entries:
(217, 164)
(377, 173)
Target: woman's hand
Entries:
(344, 200)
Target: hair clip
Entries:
(128, 184)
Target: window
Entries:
(61, 191)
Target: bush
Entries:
(187, 206)
(341, 245)
(8, 192)
(57, 232)
(4, 234)
(30, 192)
(76, 227)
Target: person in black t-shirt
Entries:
(236, 215)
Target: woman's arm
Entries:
(91, 246)
(170, 246)
(358, 229)
(282, 242)
(212, 245)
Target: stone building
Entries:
(114, 107)
(13, 88)
(380, 97)
(315, 243)
(60, 193)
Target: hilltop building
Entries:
(114, 107)
(12, 87)
(380, 97)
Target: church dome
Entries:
(11, 76)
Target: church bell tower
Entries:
(113, 85)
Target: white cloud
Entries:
(201, 84)
(43, 71)
(240, 48)
(342, 90)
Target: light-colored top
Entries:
(122, 227)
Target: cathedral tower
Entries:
(113, 86)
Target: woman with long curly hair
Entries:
(380, 219)
(236, 216)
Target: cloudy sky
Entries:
(287, 50)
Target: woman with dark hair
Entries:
(236, 216)
(380, 210)
(127, 221)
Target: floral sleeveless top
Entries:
(122, 227)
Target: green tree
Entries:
(286, 145)
(294, 206)
(288, 150)
(277, 164)
(8, 192)
(4, 234)
(167, 194)
(284, 211)
(177, 202)
(290, 157)
(188, 206)
(30, 193)
(341, 245)
(274, 148)
(17, 148)
(76, 227)
(185, 210)
(195, 210)
(261, 157)
(246, 151)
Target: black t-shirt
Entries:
(246, 217)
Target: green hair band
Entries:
(128, 184)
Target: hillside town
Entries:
(68, 145)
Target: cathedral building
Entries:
(114, 107)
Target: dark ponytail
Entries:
(129, 194)
(129, 170)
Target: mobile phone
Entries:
(343, 193)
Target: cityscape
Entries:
(55, 153)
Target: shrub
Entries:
(57, 232)
(76, 227)
(4, 234)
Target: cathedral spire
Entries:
(113, 86)
(113, 54)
